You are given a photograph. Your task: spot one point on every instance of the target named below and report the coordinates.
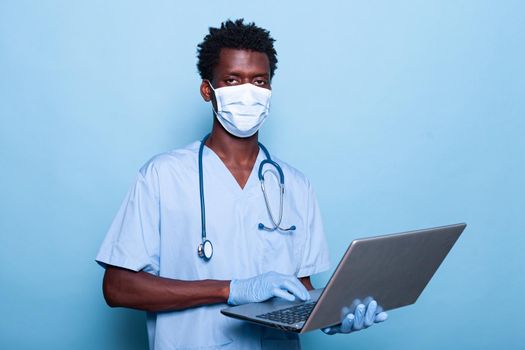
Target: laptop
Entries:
(393, 269)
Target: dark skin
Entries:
(236, 67)
(144, 291)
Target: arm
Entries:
(307, 282)
(143, 291)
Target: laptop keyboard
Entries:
(290, 315)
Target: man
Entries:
(263, 245)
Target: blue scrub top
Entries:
(158, 229)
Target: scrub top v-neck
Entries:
(226, 175)
(158, 228)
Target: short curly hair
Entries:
(234, 35)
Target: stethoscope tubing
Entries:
(260, 173)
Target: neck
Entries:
(232, 149)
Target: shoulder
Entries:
(171, 161)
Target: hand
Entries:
(266, 286)
(364, 316)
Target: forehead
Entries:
(242, 61)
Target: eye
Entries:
(231, 81)
(260, 82)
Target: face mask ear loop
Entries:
(271, 93)
(214, 94)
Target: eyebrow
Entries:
(258, 74)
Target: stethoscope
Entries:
(205, 249)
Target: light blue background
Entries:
(404, 114)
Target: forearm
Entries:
(307, 282)
(143, 291)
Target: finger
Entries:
(348, 322)
(345, 311)
(354, 305)
(296, 289)
(380, 317)
(370, 314)
(359, 317)
(301, 286)
(367, 300)
(282, 294)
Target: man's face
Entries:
(236, 67)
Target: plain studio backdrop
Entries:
(404, 115)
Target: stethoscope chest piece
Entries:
(205, 250)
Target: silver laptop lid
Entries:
(393, 269)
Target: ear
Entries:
(206, 91)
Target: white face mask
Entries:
(242, 109)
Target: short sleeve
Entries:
(315, 257)
(132, 241)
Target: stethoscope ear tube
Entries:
(269, 161)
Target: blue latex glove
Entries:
(266, 286)
(366, 314)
